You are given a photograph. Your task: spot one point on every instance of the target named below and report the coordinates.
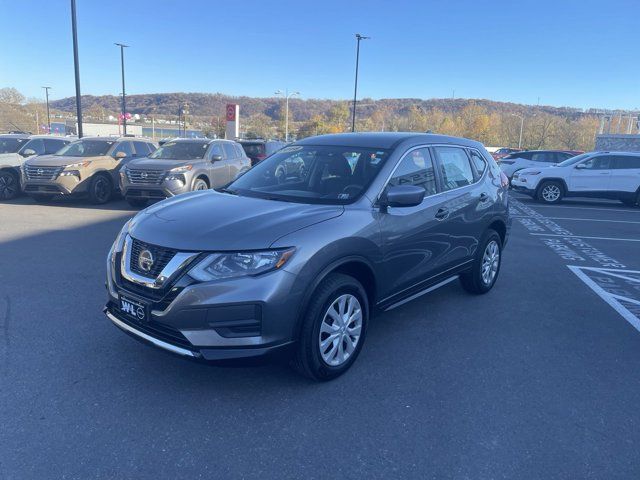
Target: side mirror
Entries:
(120, 155)
(216, 158)
(580, 166)
(29, 152)
(402, 196)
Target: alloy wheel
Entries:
(490, 262)
(551, 193)
(340, 330)
(8, 186)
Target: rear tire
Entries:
(9, 185)
(486, 266)
(333, 329)
(137, 202)
(100, 189)
(550, 192)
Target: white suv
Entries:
(614, 175)
(517, 161)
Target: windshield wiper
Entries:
(226, 190)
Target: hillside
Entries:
(212, 105)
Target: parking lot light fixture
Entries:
(76, 66)
(355, 88)
(521, 117)
(46, 95)
(286, 96)
(124, 100)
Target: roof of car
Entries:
(14, 135)
(118, 139)
(383, 139)
(55, 137)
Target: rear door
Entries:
(218, 169)
(594, 175)
(625, 175)
(415, 240)
(469, 200)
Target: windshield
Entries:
(312, 174)
(86, 148)
(572, 160)
(181, 151)
(253, 149)
(11, 145)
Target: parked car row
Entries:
(45, 166)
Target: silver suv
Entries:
(299, 261)
(182, 165)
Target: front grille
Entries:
(161, 256)
(42, 173)
(42, 188)
(138, 192)
(156, 330)
(145, 177)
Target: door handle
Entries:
(484, 197)
(442, 213)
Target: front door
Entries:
(591, 175)
(218, 169)
(415, 239)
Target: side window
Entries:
(37, 145)
(561, 157)
(141, 149)
(52, 146)
(229, 151)
(603, 162)
(479, 163)
(416, 168)
(216, 149)
(123, 147)
(239, 150)
(455, 167)
(623, 162)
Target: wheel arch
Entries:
(560, 180)
(201, 176)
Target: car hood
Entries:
(156, 164)
(212, 221)
(56, 160)
(10, 159)
(542, 170)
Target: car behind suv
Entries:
(182, 165)
(87, 166)
(300, 262)
(14, 150)
(613, 175)
(533, 158)
(257, 150)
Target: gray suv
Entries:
(182, 165)
(300, 262)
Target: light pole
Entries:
(76, 66)
(521, 117)
(355, 88)
(286, 96)
(46, 95)
(185, 112)
(124, 100)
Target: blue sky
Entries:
(567, 52)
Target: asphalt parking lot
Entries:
(537, 379)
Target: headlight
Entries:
(182, 169)
(70, 173)
(118, 245)
(86, 163)
(239, 264)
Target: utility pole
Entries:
(46, 94)
(124, 97)
(521, 117)
(287, 96)
(355, 88)
(74, 30)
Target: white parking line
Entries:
(584, 219)
(584, 236)
(612, 209)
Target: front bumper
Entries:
(242, 318)
(153, 192)
(62, 185)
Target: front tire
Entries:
(333, 329)
(486, 266)
(200, 184)
(100, 189)
(9, 185)
(550, 192)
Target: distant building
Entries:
(619, 133)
